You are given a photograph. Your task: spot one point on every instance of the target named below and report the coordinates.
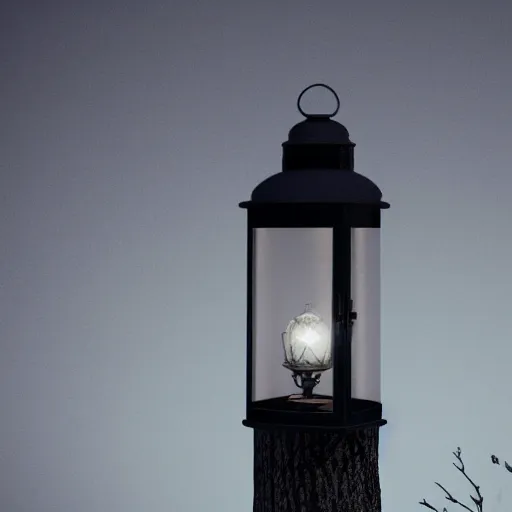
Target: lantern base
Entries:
(296, 412)
(316, 471)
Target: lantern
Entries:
(313, 282)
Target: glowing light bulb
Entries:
(307, 343)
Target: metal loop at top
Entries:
(318, 115)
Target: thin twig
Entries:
(449, 497)
(479, 500)
(425, 503)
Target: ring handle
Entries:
(318, 115)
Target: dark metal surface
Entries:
(318, 130)
(299, 157)
(317, 167)
(318, 115)
(341, 272)
(274, 215)
(249, 347)
(283, 411)
(317, 186)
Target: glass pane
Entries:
(292, 305)
(365, 287)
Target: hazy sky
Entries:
(129, 133)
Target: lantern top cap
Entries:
(317, 167)
(318, 128)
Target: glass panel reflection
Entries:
(292, 303)
(366, 302)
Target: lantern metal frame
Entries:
(317, 188)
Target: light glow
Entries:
(307, 343)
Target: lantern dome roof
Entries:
(317, 186)
(317, 167)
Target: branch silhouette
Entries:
(477, 500)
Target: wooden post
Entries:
(301, 471)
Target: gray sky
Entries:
(129, 133)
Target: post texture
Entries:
(299, 471)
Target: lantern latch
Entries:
(352, 315)
(345, 314)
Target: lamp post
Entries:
(313, 326)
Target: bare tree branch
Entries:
(477, 500)
(428, 505)
(449, 497)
